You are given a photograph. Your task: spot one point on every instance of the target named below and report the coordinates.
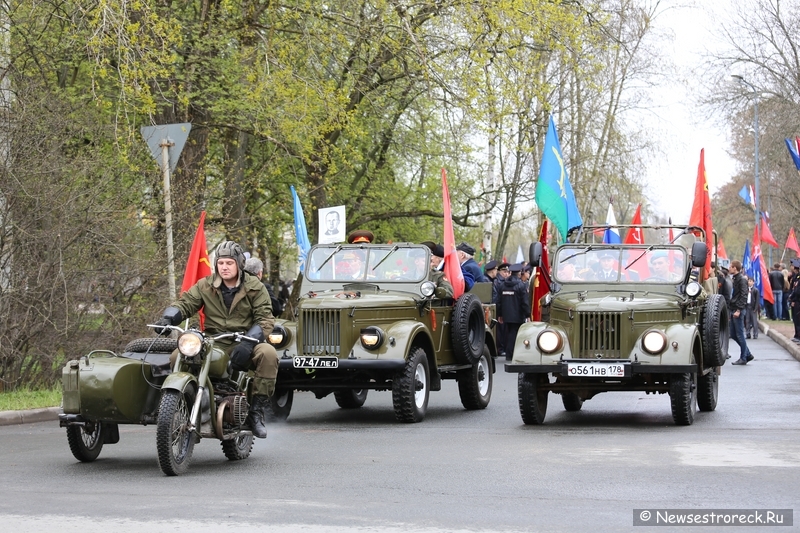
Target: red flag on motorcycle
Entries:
(452, 268)
(541, 279)
(198, 266)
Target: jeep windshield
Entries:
(615, 264)
(402, 263)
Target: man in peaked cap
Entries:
(468, 264)
(490, 270)
(513, 307)
(360, 236)
(794, 298)
(437, 262)
(607, 271)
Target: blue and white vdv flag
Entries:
(611, 235)
(300, 231)
(747, 195)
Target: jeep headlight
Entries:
(372, 337)
(279, 336)
(549, 341)
(427, 289)
(654, 342)
(693, 289)
(190, 343)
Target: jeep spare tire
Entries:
(715, 330)
(468, 331)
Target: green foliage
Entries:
(30, 399)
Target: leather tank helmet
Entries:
(232, 250)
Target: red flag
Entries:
(701, 210)
(766, 234)
(766, 288)
(452, 268)
(634, 235)
(198, 266)
(721, 253)
(541, 279)
(791, 242)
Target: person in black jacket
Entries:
(752, 310)
(776, 282)
(794, 298)
(737, 309)
(513, 307)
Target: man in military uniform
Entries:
(234, 301)
(513, 307)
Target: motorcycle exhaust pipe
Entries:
(195, 416)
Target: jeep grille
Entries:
(320, 331)
(599, 334)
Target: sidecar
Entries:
(103, 389)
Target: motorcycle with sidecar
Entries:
(199, 397)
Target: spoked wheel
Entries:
(708, 391)
(532, 399)
(410, 390)
(238, 448)
(86, 442)
(174, 441)
(475, 384)
(279, 405)
(683, 398)
(350, 398)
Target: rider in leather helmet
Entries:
(234, 300)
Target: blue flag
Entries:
(747, 262)
(554, 194)
(611, 235)
(300, 231)
(793, 151)
(747, 197)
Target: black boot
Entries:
(255, 418)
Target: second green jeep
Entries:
(623, 317)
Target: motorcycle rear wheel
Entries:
(86, 445)
(174, 441)
(238, 448)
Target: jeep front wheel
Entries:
(475, 384)
(683, 397)
(410, 389)
(532, 399)
(279, 405)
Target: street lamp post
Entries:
(757, 199)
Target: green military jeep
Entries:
(371, 317)
(624, 317)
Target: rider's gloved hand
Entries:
(241, 355)
(162, 330)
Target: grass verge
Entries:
(30, 399)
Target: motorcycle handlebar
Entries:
(236, 336)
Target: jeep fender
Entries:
(405, 333)
(530, 354)
(683, 345)
(179, 381)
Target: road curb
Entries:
(46, 414)
(780, 338)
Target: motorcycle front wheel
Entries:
(86, 442)
(174, 441)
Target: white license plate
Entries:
(595, 370)
(315, 362)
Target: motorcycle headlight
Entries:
(654, 342)
(190, 343)
(279, 337)
(693, 289)
(372, 338)
(549, 341)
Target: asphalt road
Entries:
(328, 469)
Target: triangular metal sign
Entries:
(175, 134)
